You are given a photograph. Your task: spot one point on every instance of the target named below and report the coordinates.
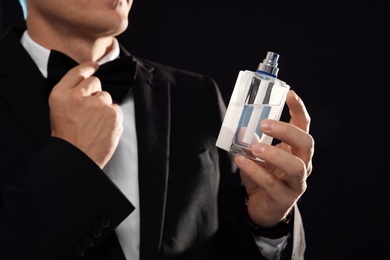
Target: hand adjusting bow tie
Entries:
(116, 76)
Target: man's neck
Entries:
(81, 48)
(40, 54)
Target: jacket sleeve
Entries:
(60, 205)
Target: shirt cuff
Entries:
(272, 248)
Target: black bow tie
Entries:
(116, 76)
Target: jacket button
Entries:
(80, 251)
(97, 232)
(105, 222)
(89, 242)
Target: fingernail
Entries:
(258, 148)
(267, 124)
(296, 96)
(241, 160)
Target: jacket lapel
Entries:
(152, 109)
(28, 101)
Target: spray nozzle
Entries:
(270, 64)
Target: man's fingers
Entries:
(294, 134)
(89, 87)
(77, 83)
(77, 74)
(103, 96)
(301, 143)
(299, 115)
(291, 169)
(270, 183)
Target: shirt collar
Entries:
(40, 54)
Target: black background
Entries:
(333, 54)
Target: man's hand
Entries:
(274, 186)
(84, 115)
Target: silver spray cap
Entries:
(270, 64)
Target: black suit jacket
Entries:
(57, 204)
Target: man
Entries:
(87, 173)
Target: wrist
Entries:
(283, 228)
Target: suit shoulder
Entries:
(175, 75)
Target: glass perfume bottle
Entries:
(256, 96)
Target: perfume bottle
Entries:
(256, 96)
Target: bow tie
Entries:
(116, 76)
